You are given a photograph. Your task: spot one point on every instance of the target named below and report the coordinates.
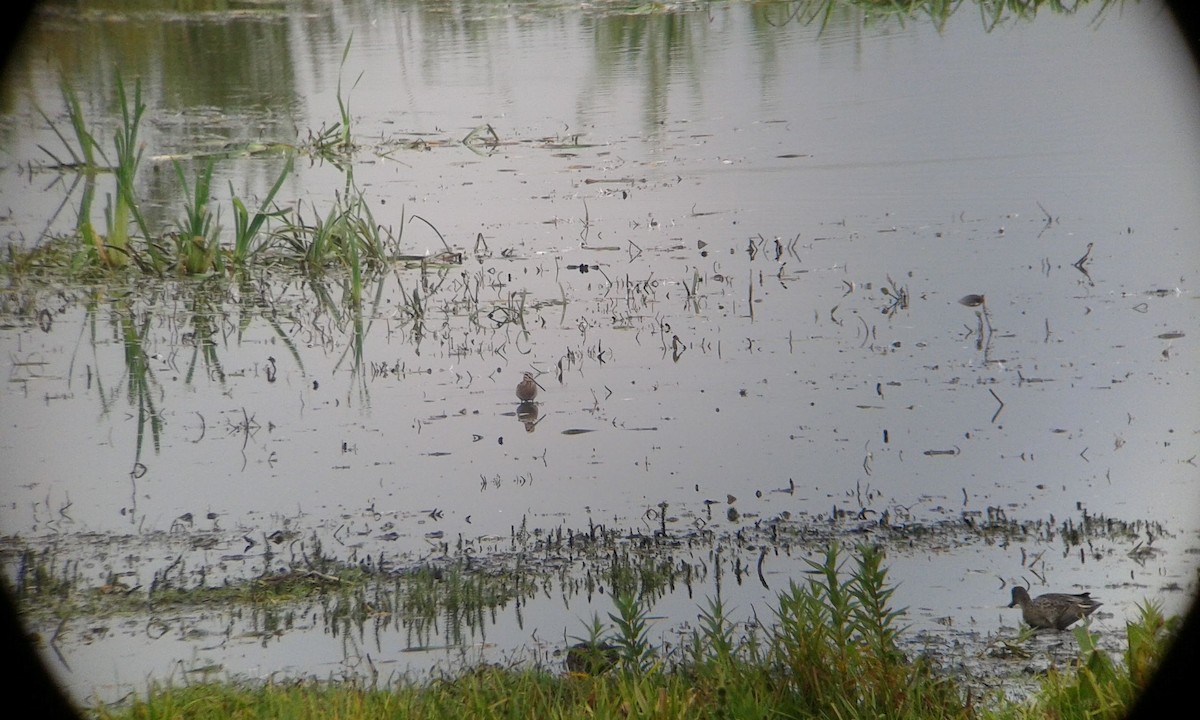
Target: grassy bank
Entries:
(829, 649)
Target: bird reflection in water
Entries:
(528, 411)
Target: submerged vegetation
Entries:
(469, 578)
(832, 643)
(829, 649)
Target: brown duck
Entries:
(1056, 611)
(592, 658)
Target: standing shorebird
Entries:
(527, 388)
(1056, 611)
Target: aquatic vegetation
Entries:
(482, 140)
(824, 656)
(459, 595)
(249, 240)
(112, 249)
(198, 249)
(992, 13)
(193, 247)
(335, 142)
(195, 244)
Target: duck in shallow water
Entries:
(1056, 611)
(587, 658)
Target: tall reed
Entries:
(116, 251)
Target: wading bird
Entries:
(527, 388)
(1053, 610)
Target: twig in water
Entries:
(587, 226)
(439, 232)
(1086, 256)
(1049, 218)
(1081, 263)
(997, 413)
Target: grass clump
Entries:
(836, 641)
(125, 240)
(345, 240)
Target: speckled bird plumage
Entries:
(527, 388)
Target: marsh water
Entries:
(737, 250)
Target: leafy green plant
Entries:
(247, 229)
(835, 639)
(632, 637)
(196, 243)
(115, 251)
(1098, 687)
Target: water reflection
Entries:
(527, 413)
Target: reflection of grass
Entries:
(830, 653)
(140, 379)
(993, 13)
(829, 646)
(205, 319)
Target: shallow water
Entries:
(749, 200)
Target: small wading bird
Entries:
(1056, 611)
(527, 388)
